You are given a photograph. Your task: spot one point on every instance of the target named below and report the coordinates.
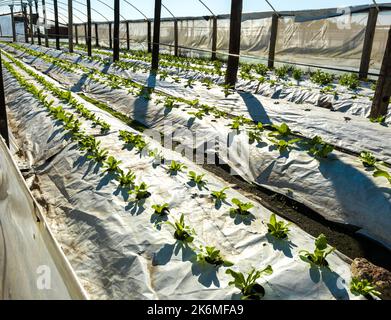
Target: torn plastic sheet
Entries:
(319, 185)
(32, 265)
(117, 251)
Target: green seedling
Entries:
(318, 257)
(182, 232)
(368, 159)
(248, 286)
(382, 173)
(112, 164)
(220, 195)
(212, 256)
(278, 229)
(176, 167)
(319, 148)
(322, 78)
(242, 208)
(141, 192)
(349, 80)
(126, 180)
(161, 210)
(363, 287)
(197, 179)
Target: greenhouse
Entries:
(198, 150)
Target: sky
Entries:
(181, 7)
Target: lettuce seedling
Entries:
(161, 210)
(322, 78)
(380, 119)
(220, 195)
(227, 89)
(278, 229)
(282, 130)
(283, 145)
(207, 83)
(169, 103)
(297, 74)
(319, 148)
(363, 287)
(176, 167)
(182, 232)
(126, 180)
(250, 289)
(349, 80)
(190, 83)
(141, 192)
(261, 69)
(254, 136)
(368, 159)
(112, 164)
(282, 72)
(99, 155)
(382, 173)
(163, 75)
(318, 257)
(104, 127)
(199, 114)
(242, 208)
(197, 179)
(212, 256)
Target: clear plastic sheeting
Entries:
(330, 42)
(120, 252)
(32, 265)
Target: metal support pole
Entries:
(70, 26)
(110, 35)
(45, 24)
(176, 38)
(13, 23)
(31, 21)
(38, 30)
(116, 31)
(214, 39)
(368, 42)
(156, 36)
(3, 110)
(96, 36)
(88, 34)
(24, 10)
(85, 33)
(234, 42)
(382, 96)
(127, 36)
(273, 40)
(149, 36)
(76, 35)
(56, 25)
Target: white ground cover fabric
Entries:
(119, 252)
(32, 265)
(339, 188)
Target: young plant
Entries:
(322, 78)
(319, 148)
(241, 207)
(318, 257)
(182, 232)
(227, 90)
(212, 256)
(248, 286)
(197, 179)
(349, 80)
(261, 69)
(363, 287)
(282, 130)
(297, 74)
(278, 229)
(282, 72)
(161, 210)
(220, 195)
(382, 173)
(112, 165)
(380, 119)
(283, 145)
(99, 155)
(254, 136)
(208, 83)
(190, 83)
(169, 103)
(176, 167)
(199, 114)
(141, 192)
(368, 159)
(126, 180)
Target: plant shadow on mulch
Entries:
(285, 246)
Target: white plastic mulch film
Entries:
(32, 266)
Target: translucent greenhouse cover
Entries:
(32, 265)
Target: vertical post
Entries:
(70, 26)
(31, 21)
(382, 96)
(110, 36)
(368, 42)
(13, 23)
(88, 34)
(176, 38)
(38, 30)
(116, 31)
(149, 35)
(96, 35)
(156, 36)
(234, 42)
(24, 10)
(56, 25)
(127, 36)
(3, 111)
(45, 24)
(214, 38)
(76, 35)
(273, 40)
